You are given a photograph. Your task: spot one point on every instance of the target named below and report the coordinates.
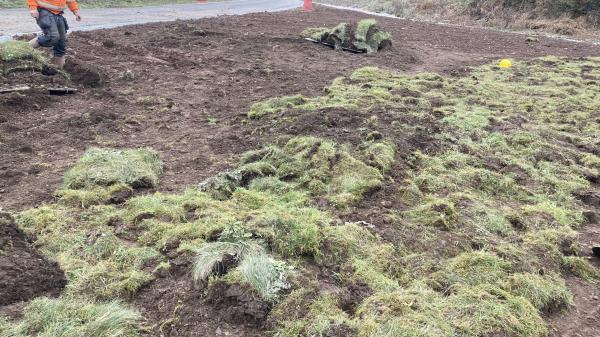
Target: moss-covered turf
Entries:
(483, 234)
(106, 167)
(19, 56)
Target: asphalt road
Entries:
(18, 21)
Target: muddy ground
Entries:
(183, 88)
(26, 274)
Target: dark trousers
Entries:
(54, 28)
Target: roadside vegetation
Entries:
(483, 229)
(567, 17)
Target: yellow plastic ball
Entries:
(505, 63)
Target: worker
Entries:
(49, 16)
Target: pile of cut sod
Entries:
(365, 36)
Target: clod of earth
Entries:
(365, 36)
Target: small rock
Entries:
(386, 204)
(218, 331)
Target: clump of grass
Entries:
(95, 261)
(105, 167)
(74, 317)
(213, 253)
(547, 293)
(486, 310)
(282, 218)
(380, 155)
(92, 196)
(276, 105)
(18, 50)
(364, 256)
(224, 184)
(471, 311)
(265, 274)
(319, 315)
(323, 168)
(473, 268)
(580, 267)
(19, 56)
(440, 213)
(166, 207)
(369, 37)
(297, 234)
(314, 33)
(254, 266)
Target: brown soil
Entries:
(174, 307)
(24, 273)
(183, 88)
(584, 317)
(188, 83)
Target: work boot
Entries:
(58, 61)
(34, 43)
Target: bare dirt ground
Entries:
(584, 318)
(26, 274)
(183, 88)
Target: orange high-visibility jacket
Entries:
(55, 6)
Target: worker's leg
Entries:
(60, 47)
(50, 33)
